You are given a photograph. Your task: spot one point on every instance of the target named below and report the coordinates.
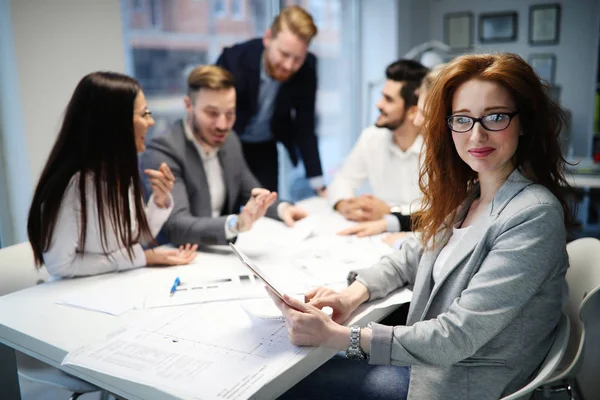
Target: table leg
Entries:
(9, 379)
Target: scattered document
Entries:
(203, 293)
(214, 351)
(267, 234)
(113, 296)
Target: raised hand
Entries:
(162, 181)
(255, 208)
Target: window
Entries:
(219, 8)
(338, 113)
(237, 9)
(164, 40)
(162, 49)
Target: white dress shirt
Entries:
(216, 181)
(213, 171)
(64, 257)
(393, 174)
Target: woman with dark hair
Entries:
(87, 215)
(488, 272)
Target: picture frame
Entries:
(498, 27)
(544, 65)
(544, 24)
(458, 30)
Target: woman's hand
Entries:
(343, 303)
(162, 182)
(309, 326)
(168, 257)
(366, 228)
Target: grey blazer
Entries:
(482, 330)
(191, 220)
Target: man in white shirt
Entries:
(215, 194)
(387, 155)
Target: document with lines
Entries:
(212, 351)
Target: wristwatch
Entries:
(232, 225)
(354, 351)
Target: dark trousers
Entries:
(263, 162)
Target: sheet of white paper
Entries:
(111, 296)
(203, 294)
(327, 260)
(267, 234)
(216, 347)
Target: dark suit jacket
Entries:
(293, 121)
(191, 220)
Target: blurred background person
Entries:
(405, 223)
(276, 83)
(211, 179)
(386, 155)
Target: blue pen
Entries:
(174, 287)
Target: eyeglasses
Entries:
(491, 122)
(147, 113)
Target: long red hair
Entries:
(445, 179)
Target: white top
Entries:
(63, 258)
(457, 235)
(216, 181)
(213, 171)
(393, 174)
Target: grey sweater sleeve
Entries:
(392, 271)
(528, 252)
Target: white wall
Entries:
(15, 177)
(379, 48)
(577, 51)
(55, 44)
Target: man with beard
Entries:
(276, 83)
(386, 155)
(212, 180)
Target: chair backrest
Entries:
(17, 269)
(550, 363)
(583, 306)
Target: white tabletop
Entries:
(31, 322)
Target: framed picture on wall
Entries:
(498, 27)
(458, 30)
(544, 24)
(544, 65)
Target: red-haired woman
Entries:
(489, 269)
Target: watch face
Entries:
(355, 354)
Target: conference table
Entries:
(32, 322)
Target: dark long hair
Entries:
(445, 176)
(96, 140)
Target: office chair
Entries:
(550, 364)
(583, 310)
(17, 271)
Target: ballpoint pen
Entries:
(174, 287)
